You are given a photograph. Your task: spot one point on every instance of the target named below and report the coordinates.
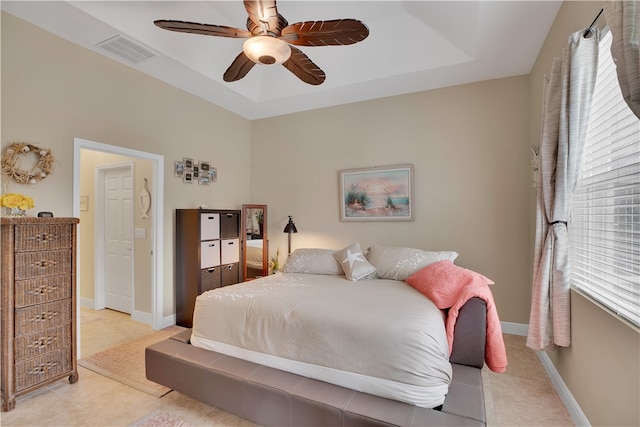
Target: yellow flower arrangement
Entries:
(274, 262)
(16, 201)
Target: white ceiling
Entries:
(412, 46)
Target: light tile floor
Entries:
(523, 396)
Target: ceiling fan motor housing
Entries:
(266, 50)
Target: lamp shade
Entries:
(290, 227)
(266, 50)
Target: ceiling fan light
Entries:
(266, 50)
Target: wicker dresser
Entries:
(38, 331)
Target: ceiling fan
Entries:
(270, 39)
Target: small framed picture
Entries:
(196, 171)
(213, 174)
(178, 168)
(204, 179)
(204, 167)
(187, 176)
(188, 163)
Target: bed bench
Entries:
(271, 397)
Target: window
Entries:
(605, 228)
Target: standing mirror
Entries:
(255, 246)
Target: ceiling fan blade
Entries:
(205, 29)
(303, 68)
(238, 68)
(338, 32)
(264, 18)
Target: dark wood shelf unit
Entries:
(207, 255)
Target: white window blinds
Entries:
(605, 228)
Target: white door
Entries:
(118, 223)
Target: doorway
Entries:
(155, 316)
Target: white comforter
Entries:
(377, 336)
(254, 253)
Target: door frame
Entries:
(100, 239)
(157, 217)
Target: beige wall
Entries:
(470, 149)
(54, 91)
(602, 366)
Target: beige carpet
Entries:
(160, 419)
(125, 362)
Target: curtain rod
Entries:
(588, 30)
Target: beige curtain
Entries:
(623, 19)
(568, 91)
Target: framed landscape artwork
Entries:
(381, 193)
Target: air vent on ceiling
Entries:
(127, 49)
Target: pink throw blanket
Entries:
(495, 352)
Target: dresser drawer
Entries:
(39, 343)
(44, 263)
(38, 291)
(42, 317)
(42, 368)
(39, 237)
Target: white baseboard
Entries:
(578, 417)
(168, 320)
(142, 317)
(138, 316)
(515, 328)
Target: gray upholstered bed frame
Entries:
(270, 397)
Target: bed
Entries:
(254, 254)
(337, 338)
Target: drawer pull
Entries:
(211, 270)
(43, 290)
(44, 237)
(230, 267)
(230, 243)
(43, 342)
(42, 368)
(46, 263)
(211, 245)
(48, 315)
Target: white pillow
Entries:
(312, 261)
(399, 263)
(354, 263)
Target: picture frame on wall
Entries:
(381, 193)
(178, 168)
(204, 167)
(188, 163)
(187, 176)
(204, 179)
(196, 171)
(213, 174)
